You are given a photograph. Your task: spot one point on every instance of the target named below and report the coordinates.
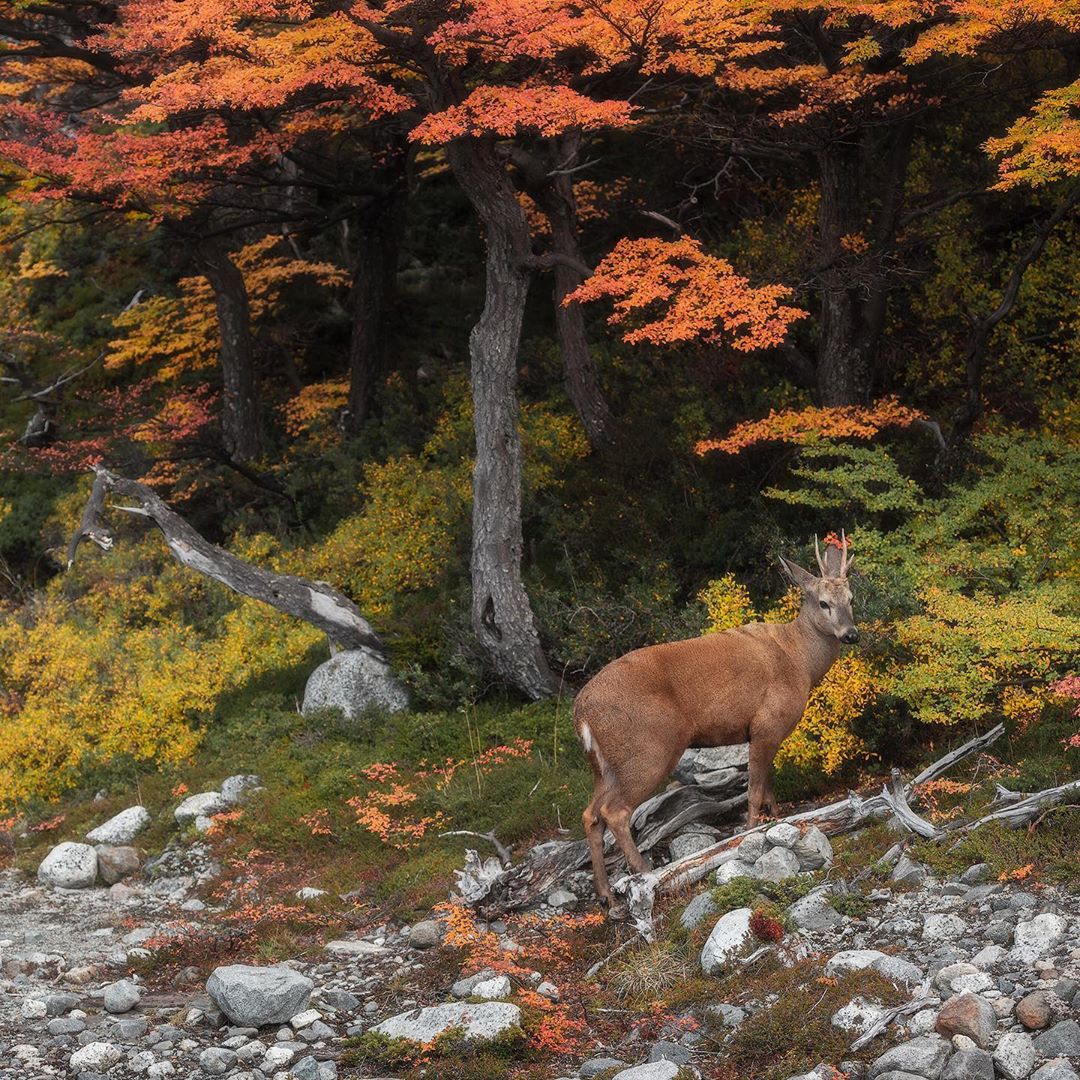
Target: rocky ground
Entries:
(988, 973)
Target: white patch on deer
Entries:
(591, 747)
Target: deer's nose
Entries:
(851, 637)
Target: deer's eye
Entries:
(823, 604)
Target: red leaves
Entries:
(764, 927)
(511, 110)
(673, 291)
(799, 426)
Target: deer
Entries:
(749, 684)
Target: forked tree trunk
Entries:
(502, 617)
(371, 300)
(240, 413)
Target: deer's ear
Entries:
(803, 578)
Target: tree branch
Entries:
(313, 601)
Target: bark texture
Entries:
(240, 427)
(371, 300)
(313, 601)
(502, 617)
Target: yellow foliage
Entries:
(313, 409)
(180, 333)
(824, 737)
(728, 604)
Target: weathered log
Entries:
(1021, 813)
(944, 764)
(313, 601)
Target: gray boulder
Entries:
(239, 788)
(204, 804)
(353, 682)
(777, 864)
(924, 1056)
(814, 912)
(122, 828)
(969, 1065)
(117, 863)
(1038, 937)
(217, 1060)
(687, 843)
(122, 996)
(651, 1070)
(908, 872)
(697, 911)
(256, 996)
(481, 1022)
(1014, 1057)
(728, 938)
(813, 849)
(69, 866)
(1058, 1069)
(1062, 1040)
(426, 934)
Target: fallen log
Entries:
(313, 601)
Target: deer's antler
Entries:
(820, 561)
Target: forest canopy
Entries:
(538, 329)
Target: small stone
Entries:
(782, 835)
(969, 1065)
(341, 1000)
(813, 849)
(651, 1070)
(350, 947)
(1058, 1069)
(1062, 1040)
(1033, 1011)
(205, 804)
(595, 1066)
(1066, 989)
(1038, 937)
(892, 967)
(216, 1061)
(729, 1015)
(122, 996)
(729, 871)
(561, 898)
(59, 1004)
(65, 1025)
(426, 934)
(96, 1057)
(945, 927)
(699, 909)
(122, 828)
(239, 788)
(308, 892)
(497, 989)
(277, 1057)
(777, 864)
(548, 990)
(131, 1028)
(69, 866)
(669, 1051)
(989, 957)
(728, 938)
(814, 912)
(858, 1015)
(999, 932)
(908, 872)
(976, 874)
(970, 1015)
(752, 847)
(1014, 1057)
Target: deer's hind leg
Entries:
(593, 821)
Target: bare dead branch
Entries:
(313, 601)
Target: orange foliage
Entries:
(800, 426)
(674, 292)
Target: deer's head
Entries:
(827, 599)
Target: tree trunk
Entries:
(240, 415)
(502, 617)
(841, 362)
(582, 381)
(371, 299)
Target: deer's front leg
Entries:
(760, 797)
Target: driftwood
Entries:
(923, 1001)
(313, 601)
(546, 865)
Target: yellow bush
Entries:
(824, 737)
(728, 604)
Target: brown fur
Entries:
(638, 714)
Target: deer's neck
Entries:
(819, 650)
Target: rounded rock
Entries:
(122, 996)
(257, 996)
(69, 866)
